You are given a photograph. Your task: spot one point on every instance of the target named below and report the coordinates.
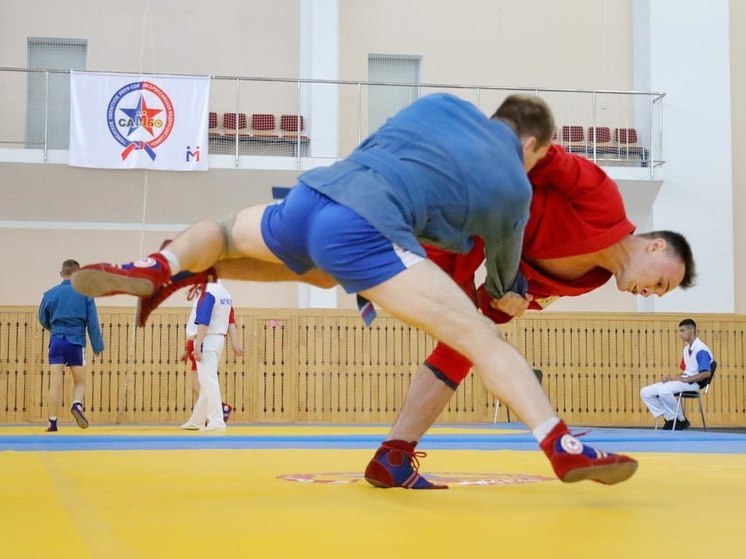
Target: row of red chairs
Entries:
(263, 127)
(599, 134)
(598, 141)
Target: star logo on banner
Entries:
(131, 129)
(141, 116)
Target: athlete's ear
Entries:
(529, 144)
(657, 244)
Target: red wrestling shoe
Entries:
(396, 464)
(149, 279)
(573, 461)
(147, 304)
(141, 278)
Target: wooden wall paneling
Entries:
(326, 366)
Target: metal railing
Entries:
(326, 119)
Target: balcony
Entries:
(289, 124)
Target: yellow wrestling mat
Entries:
(310, 501)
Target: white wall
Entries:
(682, 48)
(574, 43)
(738, 133)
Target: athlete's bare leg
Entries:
(79, 380)
(251, 269)
(444, 311)
(54, 397)
(426, 399)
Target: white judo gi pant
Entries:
(209, 405)
(660, 399)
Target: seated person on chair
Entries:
(696, 367)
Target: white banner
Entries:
(130, 121)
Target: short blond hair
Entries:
(69, 267)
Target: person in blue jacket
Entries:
(439, 172)
(67, 315)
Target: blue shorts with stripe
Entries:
(62, 352)
(308, 230)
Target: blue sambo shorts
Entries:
(63, 352)
(308, 230)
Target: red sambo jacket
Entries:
(575, 209)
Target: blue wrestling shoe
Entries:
(77, 411)
(396, 464)
(227, 409)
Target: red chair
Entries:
(263, 126)
(232, 129)
(626, 140)
(213, 133)
(290, 126)
(599, 138)
(573, 139)
(625, 136)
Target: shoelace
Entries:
(414, 455)
(148, 304)
(210, 276)
(194, 291)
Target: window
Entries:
(385, 100)
(48, 94)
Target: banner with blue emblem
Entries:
(131, 121)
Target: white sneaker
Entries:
(189, 426)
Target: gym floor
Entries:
(297, 492)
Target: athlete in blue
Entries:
(440, 172)
(67, 315)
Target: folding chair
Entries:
(704, 388)
(698, 394)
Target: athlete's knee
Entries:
(229, 249)
(648, 390)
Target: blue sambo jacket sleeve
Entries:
(502, 260)
(94, 326)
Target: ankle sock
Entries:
(173, 261)
(541, 431)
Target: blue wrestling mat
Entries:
(476, 437)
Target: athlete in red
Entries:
(576, 209)
(577, 237)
